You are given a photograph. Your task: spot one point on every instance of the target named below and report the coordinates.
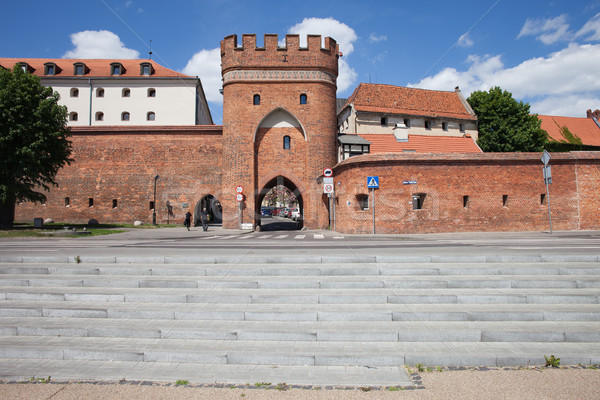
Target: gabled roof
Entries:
(390, 99)
(95, 68)
(386, 143)
(584, 128)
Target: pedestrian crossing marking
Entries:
(319, 236)
(280, 237)
(300, 237)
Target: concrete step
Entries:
(394, 331)
(304, 295)
(335, 269)
(133, 371)
(290, 353)
(304, 312)
(306, 259)
(299, 282)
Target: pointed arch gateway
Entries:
(281, 156)
(292, 185)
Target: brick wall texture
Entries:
(468, 193)
(121, 165)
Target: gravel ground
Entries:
(528, 384)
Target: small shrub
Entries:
(552, 361)
(181, 382)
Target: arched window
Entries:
(125, 116)
(151, 92)
(99, 116)
(126, 92)
(303, 99)
(99, 92)
(256, 100)
(286, 142)
(73, 116)
(151, 116)
(74, 92)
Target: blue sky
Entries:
(546, 53)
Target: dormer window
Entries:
(117, 69)
(51, 69)
(79, 69)
(146, 69)
(26, 67)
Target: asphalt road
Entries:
(217, 241)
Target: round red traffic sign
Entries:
(239, 189)
(239, 197)
(327, 172)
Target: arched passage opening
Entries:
(213, 206)
(280, 205)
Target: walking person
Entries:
(188, 219)
(204, 219)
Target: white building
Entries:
(388, 119)
(106, 92)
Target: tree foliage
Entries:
(34, 140)
(505, 125)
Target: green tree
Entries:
(506, 124)
(34, 140)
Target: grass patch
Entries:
(56, 229)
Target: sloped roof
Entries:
(386, 143)
(96, 68)
(584, 128)
(390, 99)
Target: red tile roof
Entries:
(409, 101)
(386, 143)
(584, 128)
(96, 67)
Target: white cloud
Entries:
(344, 36)
(570, 73)
(464, 40)
(591, 29)
(99, 44)
(346, 77)
(206, 64)
(342, 33)
(547, 31)
(374, 38)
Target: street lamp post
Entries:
(154, 209)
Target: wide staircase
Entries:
(123, 317)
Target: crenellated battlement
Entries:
(246, 54)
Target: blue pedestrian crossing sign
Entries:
(373, 182)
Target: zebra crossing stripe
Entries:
(319, 236)
(280, 237)
(300, 237)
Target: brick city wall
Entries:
(118, 164)
(252, 153)
(468, 193)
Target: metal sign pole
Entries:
(333, 196)
(547, 180)
(548, 196)
(373, 191)
(330, 211)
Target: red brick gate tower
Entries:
(279, 123)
